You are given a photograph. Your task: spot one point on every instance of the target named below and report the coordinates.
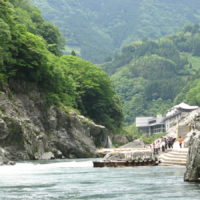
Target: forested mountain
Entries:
(152, 75)
(149, 75)
(97, 28)
(31, 52)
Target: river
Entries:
(77, 179)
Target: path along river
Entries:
(77, 179)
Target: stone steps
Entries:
(174, 157)
(172, 164)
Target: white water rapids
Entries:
(77, 179)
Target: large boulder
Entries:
(3, 158)
(119, 140)
(192, 173)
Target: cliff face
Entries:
(193, 162)
(31, 130)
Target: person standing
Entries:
(173, 140)
(166, 143)
(180, 140)
(170, 142)
(163, 145)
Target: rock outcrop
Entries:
(139, 143)
(192, 173)
(29, 129)
(119, 140)
(3, 158)
(130, 155)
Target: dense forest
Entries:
(31, 51)
(95, 29)
(152, 75)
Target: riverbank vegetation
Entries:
(31, 51)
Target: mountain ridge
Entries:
(97, 29)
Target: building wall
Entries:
(172, 121)
(182, 131)
(151, 130)
(157, 129)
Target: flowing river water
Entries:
(77, 179)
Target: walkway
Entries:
(176, 156)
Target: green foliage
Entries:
(31, 17)
(96, 98)
(73, 53)
(53, 99)
(190, 93)
(3, 81)
(53, 37)
(132, 130)
(158, 106)
(149, 76)
(100, 27)
(31, 51)
(151, 139)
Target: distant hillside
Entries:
(152, 75)
(96, 29)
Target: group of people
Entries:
(163, 144)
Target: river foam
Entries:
(77, 179)
(31, 167)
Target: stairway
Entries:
(174, 157)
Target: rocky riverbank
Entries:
(126, 157)
(134, 153)
(192, 140)
(190, 127)
(29, 129)
(3, 158)
(193, 163)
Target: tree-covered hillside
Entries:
(152, 75)
(97, 28)
(31, 51)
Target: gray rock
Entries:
(119, 140)
(192, 173)
(129, 155)
(47, 156)
(3, 158)
(139, 143)
(29, 129)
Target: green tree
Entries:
(96, 98)
(53, 37)
(73, 53)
